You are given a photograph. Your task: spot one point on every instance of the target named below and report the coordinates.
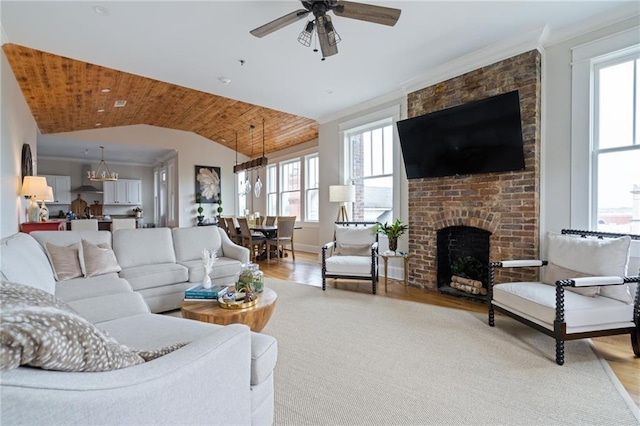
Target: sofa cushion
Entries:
(24, 261)
(553, 273)
(349, 265)
(65, 261)
(154, 275)
(99, 259)
(109, 307)
(145, 246)
(539, 301)
(84, 288)
(222, 268)
(188, 243)
(594, 256)
(40, 330)
(71, 237)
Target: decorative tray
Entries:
(238, 304)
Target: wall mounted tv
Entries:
(478, 137)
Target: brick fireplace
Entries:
(506, 205)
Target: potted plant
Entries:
(392, 231)
(200, 209)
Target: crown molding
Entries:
(602, 20)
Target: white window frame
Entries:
(605, 62)
(272, 189)
(311, 186)
(241, 178)
(282, 165)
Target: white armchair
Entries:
(352, 255)
(600, 298)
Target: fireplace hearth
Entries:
(463, 255)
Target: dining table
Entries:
(269, 231)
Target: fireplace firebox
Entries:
(462, 261)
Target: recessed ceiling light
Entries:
(119, 104)
(105, 90)
(100, 110)
(329, 91)
(98, 124)
(224, 80)
(101, 10)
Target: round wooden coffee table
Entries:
(256, 317)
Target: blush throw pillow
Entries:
(99, 259)
(65, 261)
(353, 249)
(39, 330)
(553, 273)
(593, 256)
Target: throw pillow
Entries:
(39, 330)
(553, 273)
(358, 235)
(353, 249)
(594, 256)
(65, 261)
(99, 259)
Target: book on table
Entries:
(199, 292)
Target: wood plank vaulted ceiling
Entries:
(64, 95)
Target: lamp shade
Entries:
(342, 193)
(49, 196)
(35, 186)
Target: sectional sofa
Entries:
(223, 375)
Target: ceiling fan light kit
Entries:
(326, 33)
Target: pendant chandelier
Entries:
(255, 163)
(102, 172)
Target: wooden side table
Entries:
(386, 256)
(256, 317)
(51, 225)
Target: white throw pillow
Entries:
(99, 259)
(355, 235)
(593, 256)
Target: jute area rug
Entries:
(346, 358)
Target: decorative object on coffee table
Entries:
(208, 259)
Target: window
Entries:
(312, 187)
(616, 145)
(290, 188)
(242, 195)
(272, 190)
(370, 151)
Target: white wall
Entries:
(17, 127)
(192, 150)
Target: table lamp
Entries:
(342, 194)
(34, 187)
(44, 211)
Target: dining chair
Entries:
(270, 221)
(222, 223)
(255, 242)
(84, 225)
(122, 224)
(233, 230)
(283, 237)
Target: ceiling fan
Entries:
(326, 33)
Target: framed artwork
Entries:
(208, 183)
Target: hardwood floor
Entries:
(306, 269)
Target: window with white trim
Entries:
(312, 188)
(272, 190)
(616, 145)
(242, 194)
(290, 204)
(370, 150)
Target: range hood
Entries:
(86, 183)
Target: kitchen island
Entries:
(105, 224)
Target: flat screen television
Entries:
(477, 137)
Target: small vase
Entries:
(206, 281)
(393, 244)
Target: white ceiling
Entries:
(192, 44)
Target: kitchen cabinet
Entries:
(61, 188)
(122, 191)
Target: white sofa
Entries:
(224, 375)
(599, 300)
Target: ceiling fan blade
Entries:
(281, 22)
(367, 12)
(328, 43)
